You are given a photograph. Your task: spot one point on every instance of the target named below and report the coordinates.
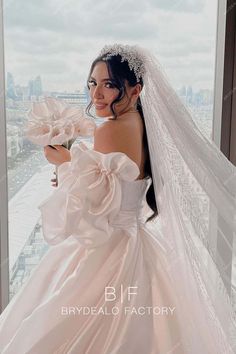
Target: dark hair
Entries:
(118, 73)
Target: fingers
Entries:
(48, 148)
(51, 154)
(57, 155)
(54, 181)
(59, 147)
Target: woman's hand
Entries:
(57, 154)
(54, 180)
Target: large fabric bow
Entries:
(88, 197)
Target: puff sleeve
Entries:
(88, 196)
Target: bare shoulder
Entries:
(122, 136)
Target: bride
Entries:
(131, 269)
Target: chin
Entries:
(104, 114)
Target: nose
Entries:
(97, 92)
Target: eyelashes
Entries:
(90, 82)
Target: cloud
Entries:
(58, 39)
(192, 6)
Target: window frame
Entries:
(223, 133)
(228, 128)
(4, 246)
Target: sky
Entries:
(58, 39)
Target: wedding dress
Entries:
(95, 223)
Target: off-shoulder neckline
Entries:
(118, 152)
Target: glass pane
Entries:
(49, 46)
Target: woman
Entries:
(110, 284)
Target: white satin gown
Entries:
(103, 286)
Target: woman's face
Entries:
(103, 93)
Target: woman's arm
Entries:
(56, 155)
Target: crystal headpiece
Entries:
(128, 53)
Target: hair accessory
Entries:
(128, 53)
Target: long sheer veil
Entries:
(195, 189)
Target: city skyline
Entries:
(35, 89)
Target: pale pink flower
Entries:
(53, 122)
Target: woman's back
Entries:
(124, 134)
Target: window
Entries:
(48, 50)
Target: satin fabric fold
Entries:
(88, 197)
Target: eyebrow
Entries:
(101, 80)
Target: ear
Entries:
(136, 91)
